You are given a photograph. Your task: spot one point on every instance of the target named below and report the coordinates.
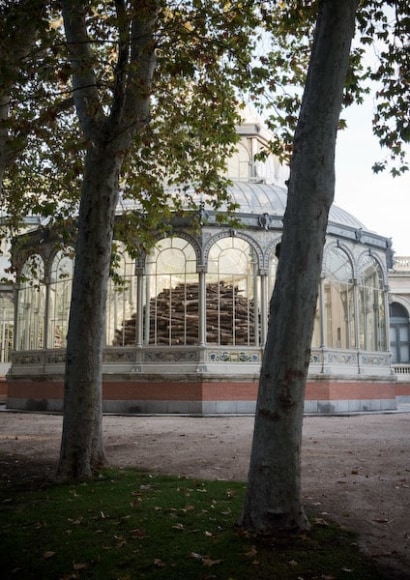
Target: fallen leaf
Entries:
(195, 555)
(320, 522)
(138, 533)
(178, 526)
(80, 566)
(48, 554)
(293, 563)
(208, 562)
(159, 563)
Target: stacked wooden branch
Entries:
(174, 317)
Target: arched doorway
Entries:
(399, 334)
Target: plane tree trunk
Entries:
(82, 446)
(109, 135)
(273, 498)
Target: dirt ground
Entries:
(356, 470)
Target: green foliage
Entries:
(279, 73)
(203, 50)
(127, 524)
(210, 56)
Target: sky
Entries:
(381, 202)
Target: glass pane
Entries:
(338, 266)
(31, 306)
(6, 326)
(122, 302)
(59, 299)
(404, 353)
(171, 311)
(403, 333)
(372, 309)
(232, 313)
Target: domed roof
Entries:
(258, 198)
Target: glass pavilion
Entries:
(185, 331)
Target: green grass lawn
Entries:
(128, 524)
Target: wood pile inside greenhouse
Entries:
(174, 317)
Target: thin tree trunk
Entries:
(273, 499)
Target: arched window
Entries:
(372, 316)
(399, 334)
(31, 306)
(171, 311)
(122, 301)
(232, 293)
(61, 279)
(339, 300)
(239, 164)
(6, 325)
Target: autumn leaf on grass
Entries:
(320, 522)
(178, 526)
(252, 552)
(138, 533)
(120, 541)
(195, 555)
(188, 508)
(80, 566)
(48, 554)
(208, 562)
(159, 563)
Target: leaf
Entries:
(80, 566)
(208, 562)
(293, 563)
(138, 533)
(178, 526)
(320, 522)
(252, 552)
(195, 555)
(48, 554)
(159, 563)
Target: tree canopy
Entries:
(211, 56)
(379, 65)
(203, 53)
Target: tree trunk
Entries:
(273, 498)
(82, 447)
(109, 138)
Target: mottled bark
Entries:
(273, 499)
(82, 446)
(109, 136)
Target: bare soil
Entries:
(356, 470)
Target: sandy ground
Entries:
(356, 470)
